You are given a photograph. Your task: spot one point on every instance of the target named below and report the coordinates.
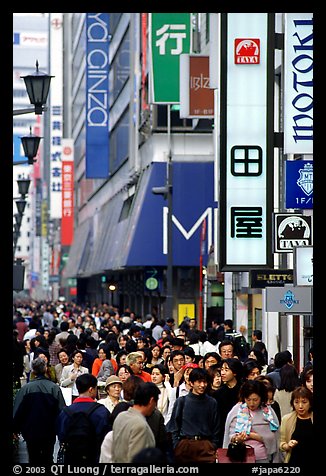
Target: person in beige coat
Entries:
(71, 372)
(296, 434)
(131, 432)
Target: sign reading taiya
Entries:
(298, 83)
(97, 95)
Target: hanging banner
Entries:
(246, 158)
(170, 36)
(298, 83)
(196, 97)
(97, 95)
(56, 69)
(67, 221)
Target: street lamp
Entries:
(37, 87)
(23, 186)
(30, 145)
(21, 204)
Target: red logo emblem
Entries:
(247, 51)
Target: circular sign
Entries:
(151, 284)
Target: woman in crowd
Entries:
(297, 437)
(72, 371)
(160, 377)
(98, 361)
(289, 381)
(154, 357)
(254, 422)
(113, 387)
(268, 382)
(251, 369)
(63, 358)
(259, 356)
(307, 379)
(214, 372)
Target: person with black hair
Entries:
(98, 415)
(254, 422)
(227, 395)
(289, 381)
(195, 423)
(131, 432)
(280, 359)
(258, 344)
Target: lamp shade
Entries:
(23, 186)
(30, 145)
(20, 204)
(37, 87)
(18, 218)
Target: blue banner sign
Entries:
(299, 184)
(97, 95)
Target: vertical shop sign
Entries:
(298, 83)
(247, 69)
(170, 36)
(97, 95)
(67, 220)
(56, 68)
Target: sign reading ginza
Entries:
(170, 36)
(246, 147)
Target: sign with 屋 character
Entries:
(246, 174)
(170, 36)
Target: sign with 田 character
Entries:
(246, 151)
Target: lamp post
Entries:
(30, 145)
(166, 191)
(37, 87)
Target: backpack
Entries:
(80, 441)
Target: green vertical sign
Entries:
(170, 36)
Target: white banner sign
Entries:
(298, 83)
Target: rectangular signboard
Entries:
(303, 266)
(290, 299)
(196, 96)
(299, 189)
(298, 83)
(290, 230)
(170, 36)
(97, 95)
(246, 174)
(261, 278)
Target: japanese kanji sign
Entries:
(170, 36)
(245, 202)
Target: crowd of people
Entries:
(151, 391)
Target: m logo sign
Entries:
(247, 51)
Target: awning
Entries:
(136, 239)
(77, 250)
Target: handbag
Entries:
(236, 453)
(61, 454)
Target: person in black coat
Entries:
(36, 407)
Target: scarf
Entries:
(244, 419)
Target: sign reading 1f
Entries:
(170, 36)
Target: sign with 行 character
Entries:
(170, 36)
(246, 151)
